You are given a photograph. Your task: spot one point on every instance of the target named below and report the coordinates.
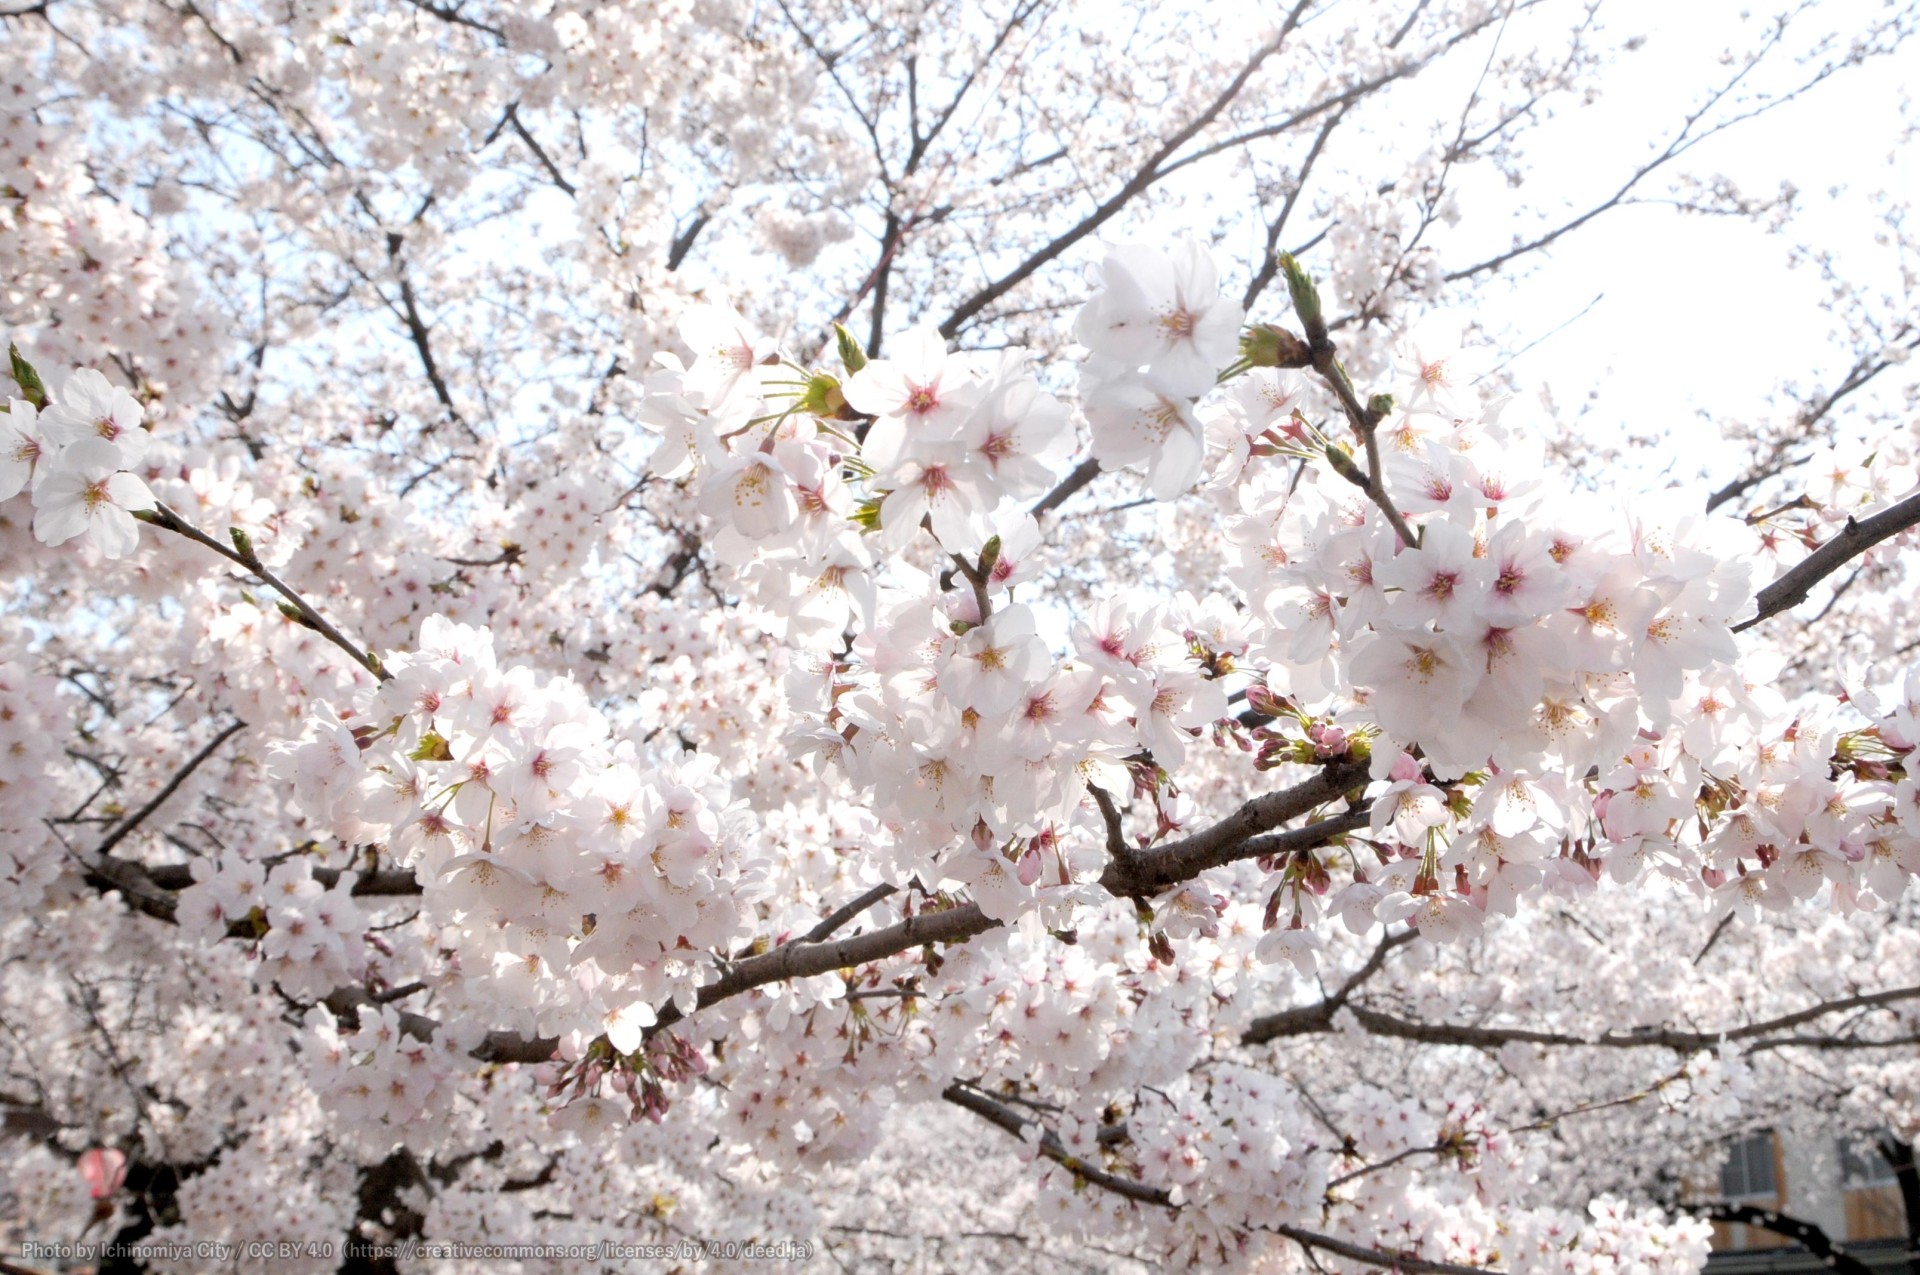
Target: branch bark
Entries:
(167, 790)
(1854, 539)
(1815, 1240)
(1142, 873)
(1290, 1022)
(1148, 173)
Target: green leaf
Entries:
(431, 748)
(852, 357)
(989, 557)
(866, 514)
(1306, 297)
(32, 388)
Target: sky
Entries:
(1704, 313)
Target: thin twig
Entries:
(242, 554)
(172, 786)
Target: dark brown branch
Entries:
(1347, 96)
(417, 330)
(1365, 418)
(546, 161)
(1270, 262)
(1147, 872)
(1012, 1122)
(384, 883)
(1833, 1256)
(846, 912)
(1382, 1258)
(172, 786)
(1383, 1024)
(451, 15)
(1791, 589)
(683, 242)
(793, 960)
(1148, 173)
(1083, 473)
(1898, 1154)
(804, 959)
(1861, 374)
(1306, 1019)
(1015, 1125)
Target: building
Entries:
(1840, 1184)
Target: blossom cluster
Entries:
(1549, 694)
(384, 1082)
(586, 884)
(312, 936)
(74, 459)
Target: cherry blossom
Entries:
(85, 493)
(691, 732)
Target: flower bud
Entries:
(1306, 297)
(1269, 346)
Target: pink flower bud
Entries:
(1029, 867)
(104, 1169)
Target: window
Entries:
(1861, 1163)
(1749, 1168)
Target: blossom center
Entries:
(1179, 324)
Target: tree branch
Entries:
(1145, 176)
(805, 959)
(1083, 473)
(242, 554)
(1791, 589)
(1012, 1123)
(1305, 1019)
(846, 912)
(172, 786)
(546, 162)
(1833, 1256)
(1384, 1024)
(1146, 872)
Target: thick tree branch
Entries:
(1898, 1153)
(1143, 873)
(1382, 1258)
(1854, 539)
(1318, 1017)
(1381, 1023)
(1083, 473)
(1832, 1255)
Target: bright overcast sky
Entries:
(1700, 312)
